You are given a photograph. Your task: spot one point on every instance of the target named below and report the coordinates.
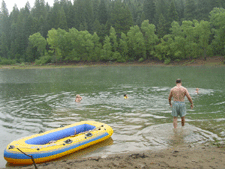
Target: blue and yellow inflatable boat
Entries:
(56, 143)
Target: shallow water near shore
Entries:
(43, 99)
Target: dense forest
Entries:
(112, 30)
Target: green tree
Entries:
(172, 46)
(64, 43)
(216, 3)
(53, 42)
(82, 46)
(217, 19)
(22, 27)
(23, 32)
(37, 41)
(185, 42)
(69, 13)
(89, 15)
(191, 46)
(180, 9)
(113, 39)
(96, 26)
(172, 15)
(162, 50)
(4, 31)
(39, 9)
(14, 46)
(97, 47)
(102, 13)
(161, 9)
(53, 15)
(73, 37)
(136, 44)
(150, 37)
(86, 45)
(161, 28)
(121, 18)
(106, 53)
(203, 9)
(39, 13)
(177, 43)
(140, 19)
(95, 9)
(136, 9)
(190, 10)
(62, 23)
(149, 9)
(203, 33)
(84, 15)
(123, 48)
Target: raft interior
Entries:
(57, 135)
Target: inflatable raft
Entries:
(56, 143)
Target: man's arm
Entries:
(190, 99)
(170, 97)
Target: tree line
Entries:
(105, 30)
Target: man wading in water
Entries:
(178, 108)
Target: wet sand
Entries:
(190, 156)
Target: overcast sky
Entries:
(21, 3)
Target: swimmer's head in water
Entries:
(78, 96)
(125, 96)
(197, 90)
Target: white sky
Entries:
(21, 3)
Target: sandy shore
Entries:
(190, 156)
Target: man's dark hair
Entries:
(178, 81)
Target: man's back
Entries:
(178, 93)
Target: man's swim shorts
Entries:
(178, 109)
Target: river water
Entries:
(43, 99)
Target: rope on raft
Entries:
(30, 157)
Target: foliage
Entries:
(123, 48)
(43, 60)
(38, 41)
(121, 18)
(149, 9)
(150, 37)
(217, 19)
(4, 61)
(136, 43)
(121, 31)
(190, 40)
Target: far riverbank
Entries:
(210, 61)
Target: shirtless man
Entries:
(178, 108)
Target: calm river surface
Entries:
(43, 99)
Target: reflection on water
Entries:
(35, 100)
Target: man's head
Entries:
(78, 96)
(178, 81)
